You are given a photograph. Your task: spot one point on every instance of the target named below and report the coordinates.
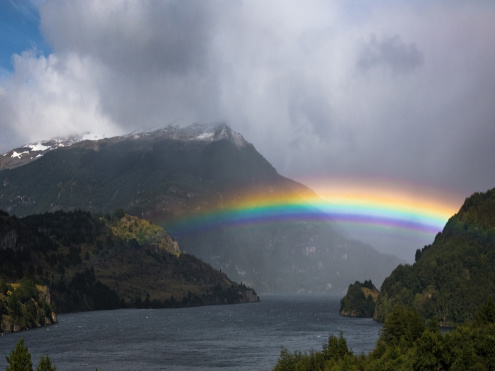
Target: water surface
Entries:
(227, 337)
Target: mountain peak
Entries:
(196, 132)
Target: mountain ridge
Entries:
(28, 152)
(175, 172)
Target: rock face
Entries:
(24, 313)
(250, 296)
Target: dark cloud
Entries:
(136, 38)
(390, 52)
(413, 103)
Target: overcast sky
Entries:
(398, 91)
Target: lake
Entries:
(226, 337)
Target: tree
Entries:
(45, 364)
(336, 348)
(119, 213)
(429, 350)
(19, 359)
(15, 307)
(3, 309)
(402, 324)
(3, 287)
(27, 290)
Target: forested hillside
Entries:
(407, 342)
(455, 274)
(107, 262)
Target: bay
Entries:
(226, 337)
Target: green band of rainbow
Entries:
(262, 211)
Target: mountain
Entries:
(29, 152)
(454, 275)
(170, 174)
(91, 263)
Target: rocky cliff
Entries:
(24, 306)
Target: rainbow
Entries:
(382, 212)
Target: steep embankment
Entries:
(24, 306)
(454, 275)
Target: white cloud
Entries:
(390, 89)
(53, 96)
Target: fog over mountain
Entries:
(171, 176)
(392, 96)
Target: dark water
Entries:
(231, 337)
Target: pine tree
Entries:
(19, 359)
(45, 365)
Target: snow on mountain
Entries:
(199, 132)
(195, 132)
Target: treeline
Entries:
(20, 360)
(87, 266)
(408, 342)
(453, 275)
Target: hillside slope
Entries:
(454, 275)
(87, 266)
(174, 173)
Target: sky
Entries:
(348, 97)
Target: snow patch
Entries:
(205, 136)
(38, 147)
(18, 154)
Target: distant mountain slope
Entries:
(453, 276)
(173, 172)
(88, 266)
(164, 172)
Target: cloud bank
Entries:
(386, 90)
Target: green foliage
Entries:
(3, 287)
(15, 307)
(402, 327)
(357, 303)
(119, 213)
(406, 343)
(114, 270)
(20, 358)
(3, 309)
(27, 290)
(142, 232)
(452, 276)
(45, 364)
(334, 355)
(23, 307)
